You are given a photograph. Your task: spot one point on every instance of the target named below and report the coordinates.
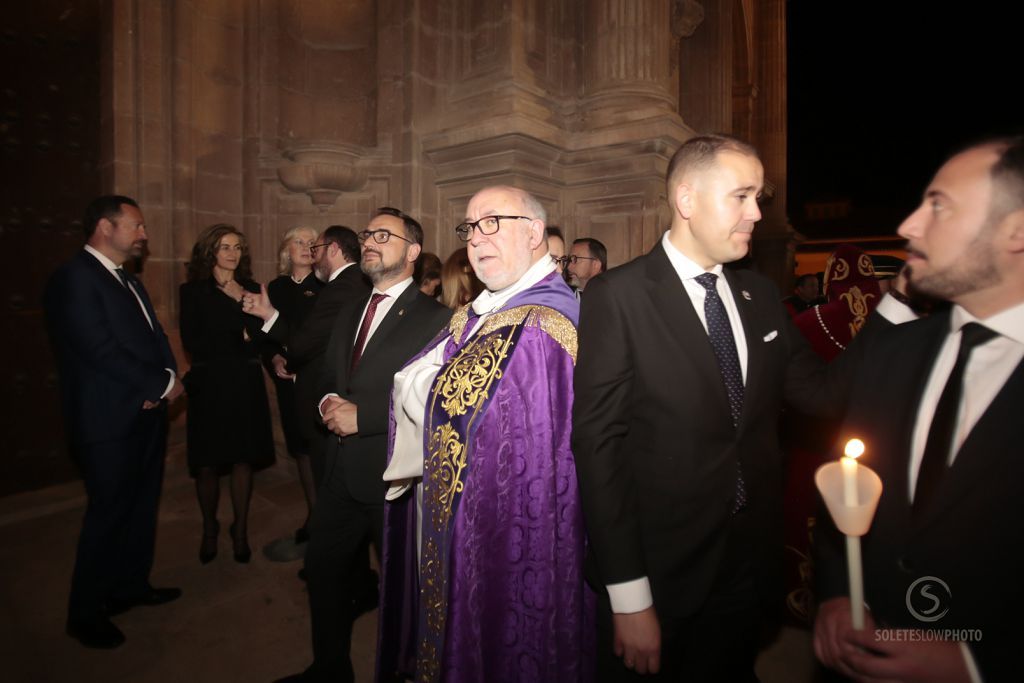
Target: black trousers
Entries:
(115, 549)
(337, 571)
(718, 643)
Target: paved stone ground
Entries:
(234, 623)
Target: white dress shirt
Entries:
(990, 365)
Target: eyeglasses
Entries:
(566, 260)
(488, 225)
(298, 241)
(314, 247)
(381, 236)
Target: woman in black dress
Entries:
(293, 294)
(228, 425)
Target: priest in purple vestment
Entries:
(484, 537)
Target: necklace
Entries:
(224, 284)
(817, 314)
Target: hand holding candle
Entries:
(851, 492)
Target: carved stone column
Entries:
(627, 61)
(774, 250)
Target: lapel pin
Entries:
(401, 312)
(746, 294)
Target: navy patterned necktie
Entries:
(724, 345)
(935, 460)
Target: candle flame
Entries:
(854, 448)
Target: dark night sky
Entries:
(879, 97)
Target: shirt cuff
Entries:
(397, 489)
(320, 405)
(270, 322)
(630, 596)
(170, 385)
(972, 666)
(895, 312)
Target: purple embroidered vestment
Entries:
(499, 592)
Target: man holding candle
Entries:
(682, 370)
(938, 405)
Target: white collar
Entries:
(338, 271)
(683, 264)
(395, 291)
(488, 301)
(107, 263)
(1008, 323)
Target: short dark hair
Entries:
(597, 250)
(108, 206)
(1007, 177)
(554, 231)
(346, 240)
(412, 226)
(428, 267)
(699, 153)
(801, 279)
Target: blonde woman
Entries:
(293, 293)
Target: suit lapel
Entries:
(350, 327)
(395, 315)
(117, 289)
(675, 310)
(984, 447)
(144, 296)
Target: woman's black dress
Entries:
(228, 413)
(294, 301)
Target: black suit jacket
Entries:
(109, 359)
(306, 343)
(412, 321)
(972, 537)
(653, 437)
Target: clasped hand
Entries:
(340, 416)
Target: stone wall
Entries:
(274, 113)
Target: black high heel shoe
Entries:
(208, 546)
(241, 547)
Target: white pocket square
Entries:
(771, 335)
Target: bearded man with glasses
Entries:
(372, 337)
(484, 540)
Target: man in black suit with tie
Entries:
(372, 338)
(938, 405)
(682, 370)
(117, 374)
(337, 264)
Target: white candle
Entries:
(854, 449)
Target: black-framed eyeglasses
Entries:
(566, 260)
(381, 236)
(488, 225)
(314, 247)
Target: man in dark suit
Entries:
(337, 264)
(372, 338)
(682, 370)
(938, 405)
(117, 375)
